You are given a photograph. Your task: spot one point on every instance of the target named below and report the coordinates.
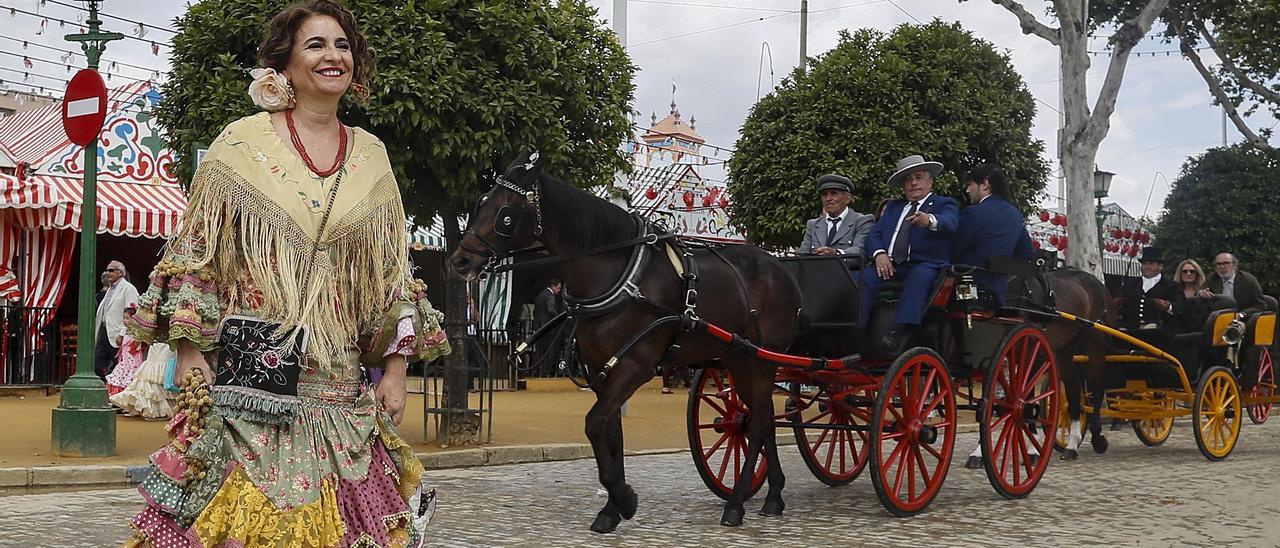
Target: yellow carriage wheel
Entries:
(1154, 432)
(1216, 413)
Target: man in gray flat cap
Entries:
(840, 230)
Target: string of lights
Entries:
(68, 54)
(27, 62)
(44, 20)
(137, 24)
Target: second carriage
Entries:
(897, 415)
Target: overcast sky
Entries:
(712, 50)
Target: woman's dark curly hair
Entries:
(277, 42)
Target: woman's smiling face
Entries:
(321, 64)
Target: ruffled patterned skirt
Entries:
(337, 475)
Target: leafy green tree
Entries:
(934, 90)
(1243, 36)
(1214, 207)
(459, 86)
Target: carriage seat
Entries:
(890, 291)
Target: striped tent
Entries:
(124, 209)
(138, 194)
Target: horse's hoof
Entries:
(627, 503)
(974, 462)
(732, 517)
(773, 508)
(1099, 444)
(1070, 454)
(605, 522)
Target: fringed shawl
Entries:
(253, 216)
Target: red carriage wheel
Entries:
(718, 433)
(913, 432)
(831, 432)
(1264, 387)
(1018, 418)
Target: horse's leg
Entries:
(1095, 376)
(773, 503)
(757, 392)
(1070, 372)
(604, 431)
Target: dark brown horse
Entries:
(742, 289)
(1082, 295)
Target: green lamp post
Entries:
(1101, 186)
(83, 424)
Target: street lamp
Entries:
(1101, 185)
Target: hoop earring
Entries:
(360, 92)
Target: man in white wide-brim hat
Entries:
(911, 242)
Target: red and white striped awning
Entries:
(124, 209)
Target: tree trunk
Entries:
(1077, 149)
(460, 424)
(1082, 226)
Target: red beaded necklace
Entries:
(306, 158)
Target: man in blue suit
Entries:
(990, 227)
(911, 242)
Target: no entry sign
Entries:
(84, 108)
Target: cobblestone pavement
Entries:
(1133, 495)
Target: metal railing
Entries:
(31, 347)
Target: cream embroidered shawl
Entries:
(252, 221)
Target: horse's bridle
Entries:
(506, 221)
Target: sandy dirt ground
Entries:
(653, 421)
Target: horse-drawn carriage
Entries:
(897, 413)
(1215, 376)
(638, 288)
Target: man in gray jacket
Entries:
(840, 230)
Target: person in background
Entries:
(990, 227)
(1227, 279)
(911, 242)
(1191, 307)
(547, 305)
(128, 360)
(839, 230)
(109, 321)
(145, 395)
(1147, 302)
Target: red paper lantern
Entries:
(1062, 242)
(688, 199)
(1053, 240)
(724, 202)
(1116, 233)
(1128, 234)
(1060, 220)
(1146, 237)
(1044, 216)
(650, 193)
(1133, 252)
(1035, 244)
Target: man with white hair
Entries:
(108, 325)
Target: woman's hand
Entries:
(190, 357)
(391, 390)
